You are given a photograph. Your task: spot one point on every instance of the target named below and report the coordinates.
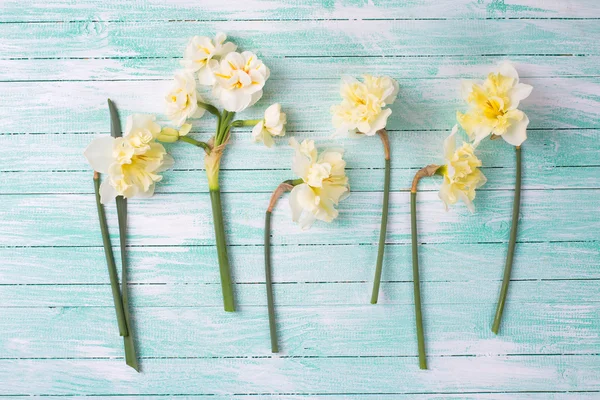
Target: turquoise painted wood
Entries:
(60, 60)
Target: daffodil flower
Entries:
(461, 177)
(493, 106)
(321, 185)
(240, 78)
(461, 173)
(200, 51)
(272, 125)
(133, 162)
(363, 112)
(182, 99)
(237, 81)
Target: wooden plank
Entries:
(196, 265)
(322, 331)
(86, 10)
(242, 181)
(427, 104)
(544, 149)
(302, 375)
(99, 39)
(518, 395)
(67, 220)
(185, 294)
(451, 66)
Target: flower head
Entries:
(324, 183)
(240, 78)
(132, 162)
(461, 173)
(182, 99)
(200, 50)
(362, 109)
(272, 125)
(493, 107)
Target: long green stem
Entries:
(416, 281)
(511, 245)
(129, 343)
(128, 340)
(283, 187)
(269, 283)
(384, 218)
(110, 260)
(217, 211)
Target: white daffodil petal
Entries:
(99, 153)
(516, 133)
(107, 192)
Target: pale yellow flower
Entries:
(362, 109)
(324, 185)
(182, 99)
(200, 50)
(272, 125)
(132, 162)
(240, 78)
(461, 173)
(493, 107)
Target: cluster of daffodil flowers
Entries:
(363, 112)
(237, 81)
(321, 184)
(132, 164)
(493, 110)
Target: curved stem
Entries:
(384, 216)
(511, 245)
(282, 188)
(195, 142)
(110, 260)
(429, 170)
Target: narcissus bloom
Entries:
(200, 50)
(362, 109)
(132, 162)
(182, 99)
(461, 173)
(272, 125)
(240, 78)
(324, 183)
(493, 107)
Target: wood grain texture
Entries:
(61, 59)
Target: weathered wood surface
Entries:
(60, 60)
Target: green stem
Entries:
(110, 260)
(382, 233)
(511, 245)
(283, 187)
(217, 210)
(416, 281)
(245, 122)
(195, 142)
(270, 301)
(225, 127)
(128, 341)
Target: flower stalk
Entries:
(511, 244)
(130, 352)
(285, 186)
(384, 216)
(429, 170)
(110, 260)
